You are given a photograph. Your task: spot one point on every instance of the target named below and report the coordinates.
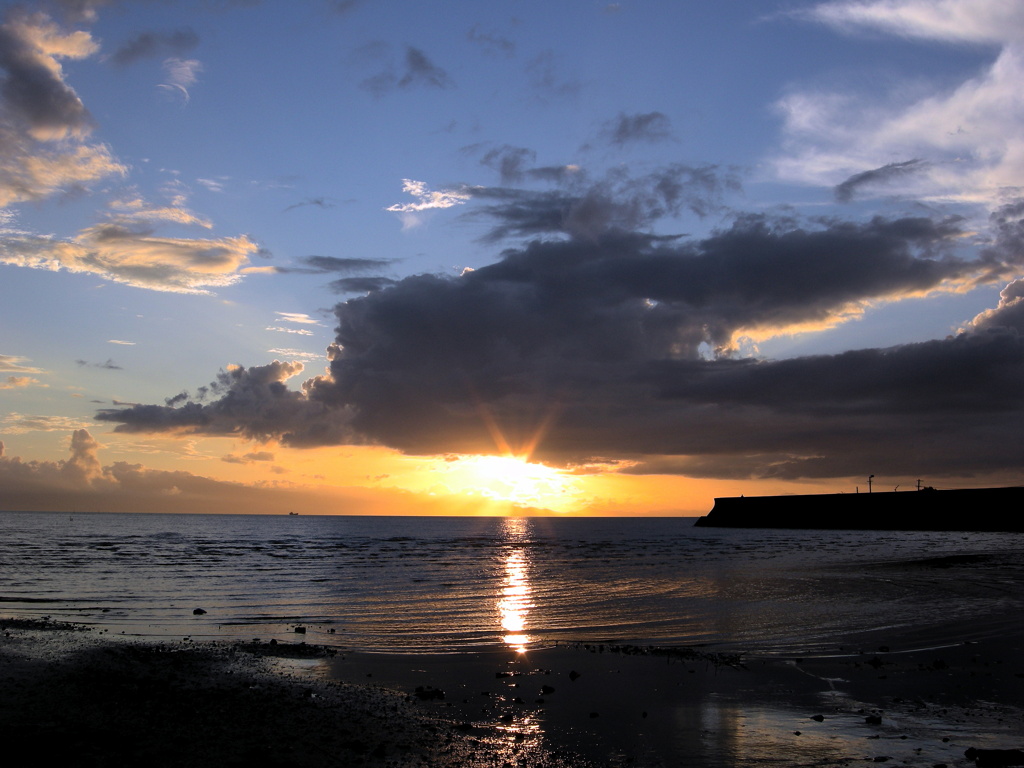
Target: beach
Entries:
(228, 640)
(92, 699)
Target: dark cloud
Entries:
(149, 44)
(593, 347)
(510, 162)
(77, 11)
(320, 265)
(845, 191)
(109, 364)
(491, 42)
(419, 70)
(318, 202)
(379, 84)
(33, 92)
(254, 403)
(589, 209)
(545, 80)
(1008, 245)
(248, 458)
(515, 165)
(342, 7)
(646, 127)
(415, 70)
(360, 284)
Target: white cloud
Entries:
(299, 331)
(119, 341)
(213, 185)
(968, 137)
(13, 363)
(963, 21)
(296, 317)
(295, 354)
(181, 74)
(426, 200)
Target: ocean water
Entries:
(455, 585)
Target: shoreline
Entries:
(209, 703)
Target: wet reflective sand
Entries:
(616, 708)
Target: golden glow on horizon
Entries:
(357, 480)
(511, 479)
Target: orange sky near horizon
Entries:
(224, 475)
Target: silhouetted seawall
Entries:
(969, 509)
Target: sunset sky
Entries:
(373, 256)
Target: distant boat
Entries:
(293, 514)
(965, 509)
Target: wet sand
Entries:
(94, 700)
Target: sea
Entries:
(465, 584)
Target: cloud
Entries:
(21, 424)
(84, 465)
(320, 265)
(590, 208)
(510, 162)
(413, 71)
(426, 200)
(43, 123)
(622, 344)
(318, 202)
(296, 331)
(252, 402)
(1008, 317)
(181, 74)
(649, 127)
(360, 284)
(148, 44)
(248, 458)
(342, 7)
(419, 70)
(79, 482)
(545, 80)
(125, 249)
(491, 42)
(19, 382)
(29, 171)
(296, 317)
(877, 176)
(966, 138)
(76, 11)
(954, 21)
(120, 342)
(33, 89)
(296, 354)
(13, 363)
(109, 365)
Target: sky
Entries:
(377, 257)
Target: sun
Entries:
(512, 479)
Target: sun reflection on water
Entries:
(516, 593)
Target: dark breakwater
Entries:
(966, 509)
